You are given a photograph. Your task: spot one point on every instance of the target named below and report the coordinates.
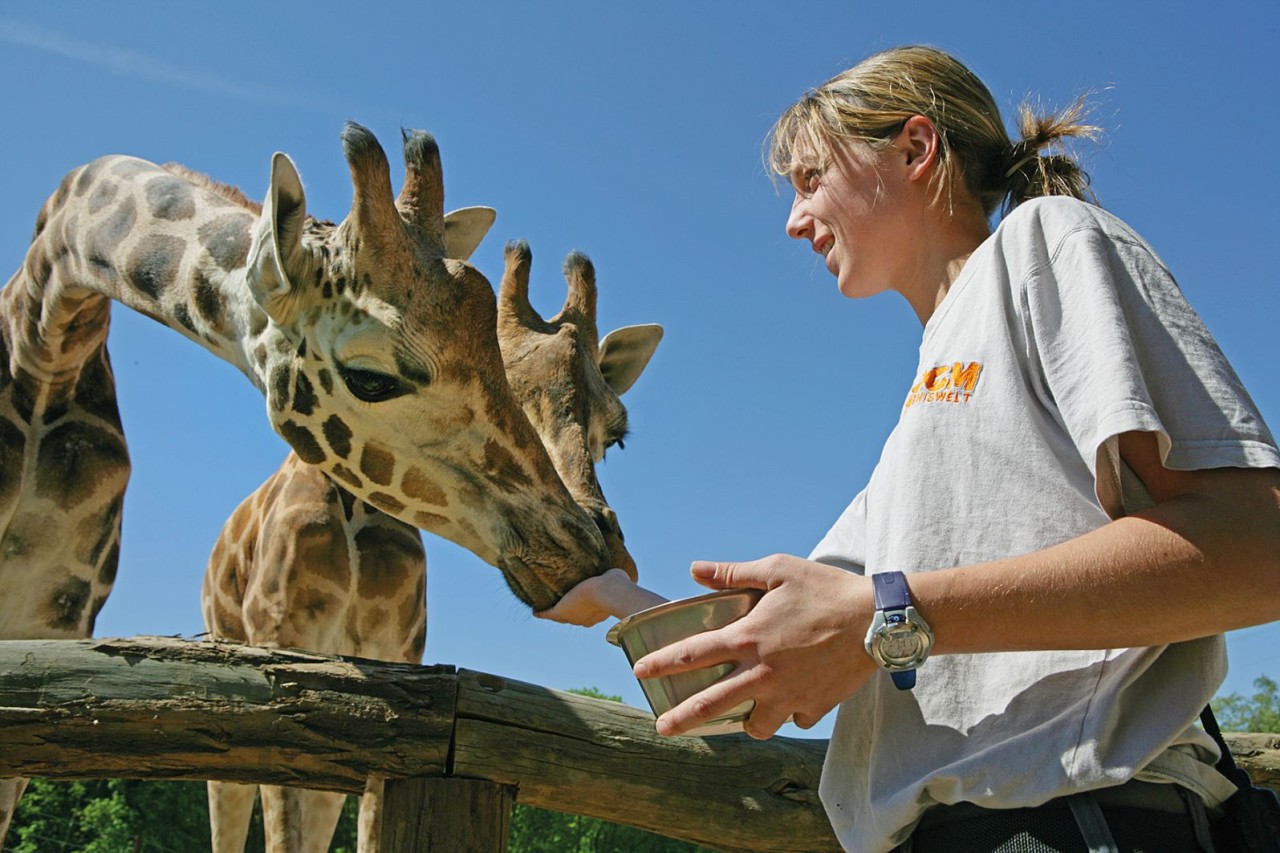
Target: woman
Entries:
(1079, 492)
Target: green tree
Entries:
(111, 816)
(1257, 713)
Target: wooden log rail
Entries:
(161, 708)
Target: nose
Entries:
(799, 221)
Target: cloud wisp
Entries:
(129, 63)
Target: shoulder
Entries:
(1053, 220)
(1044, 233)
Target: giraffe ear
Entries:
(624, 354)
(276, 258)
(464, 228)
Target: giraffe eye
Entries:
(372, 387)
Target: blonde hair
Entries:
(869, 103)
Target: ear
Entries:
(625, 352)
(464, 228)
(276, 256)
(920, 141)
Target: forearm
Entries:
(1191, 566)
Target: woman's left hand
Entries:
(798, 653)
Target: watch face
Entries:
(901, 644)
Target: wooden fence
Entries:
(465, 742)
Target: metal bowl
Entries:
(643, 632)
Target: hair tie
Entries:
(1024, 161)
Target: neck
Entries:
(944, 253)
(165, 245)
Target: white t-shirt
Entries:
(1063, 331)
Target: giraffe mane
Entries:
(232, 194)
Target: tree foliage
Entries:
(1257, 713)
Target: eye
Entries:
(372, 387)
(613, 442)
(806, 179)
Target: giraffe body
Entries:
(303, 563)
(376, 355)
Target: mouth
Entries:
(824, 245)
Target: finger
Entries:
(715, 701)
(765, 721)
(697, 652)
(729, 575)
(805, 721)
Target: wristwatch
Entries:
(898, 640)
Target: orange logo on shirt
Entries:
(948, 383)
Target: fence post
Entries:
(446, 815)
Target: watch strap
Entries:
(890, 589)
(904, 679)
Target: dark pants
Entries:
(1137, 817)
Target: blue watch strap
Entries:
(904, 679)
(891, 591)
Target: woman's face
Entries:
(851, 211)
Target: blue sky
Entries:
(631, 132)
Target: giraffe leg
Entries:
(230, 810)
(369, 828)
(298, 820)
(10, 792)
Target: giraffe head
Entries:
(569, 380)
(380, 363)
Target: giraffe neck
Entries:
(161, 242)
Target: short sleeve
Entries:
(845, 545)
(1115, 347)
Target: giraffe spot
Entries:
(326, 381)
(377, 463)
(207, 300)
(171, 198)
(387, 503)
(390, 560)
(128, 167)
(346, 475)
(76, 459)
(302, 442)
(88, 326)
(95, 392)
(504, 469)
(153, 264)
(64, 608)
(321, 547)
(107, 571)
(260, 356)
(429, 520)
(257, 322)
(13, 443)
(87, 176)
(107, 234)
(95, 533)
(183, 316)
(20, 396)
(340, 285)
(337, 434)
(103, 194)
(326, 290)
(227, 239)
(420, 487)
(278, 394)
(98, 604)
(304, 395)
(348, 501)
(313, 603)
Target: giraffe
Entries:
(377, 357)
(303, 563)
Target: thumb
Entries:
(728, 575)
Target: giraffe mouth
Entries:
(529, 582)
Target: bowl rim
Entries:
(678, 604)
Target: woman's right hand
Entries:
(798, 653)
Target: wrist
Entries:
(898, 640)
